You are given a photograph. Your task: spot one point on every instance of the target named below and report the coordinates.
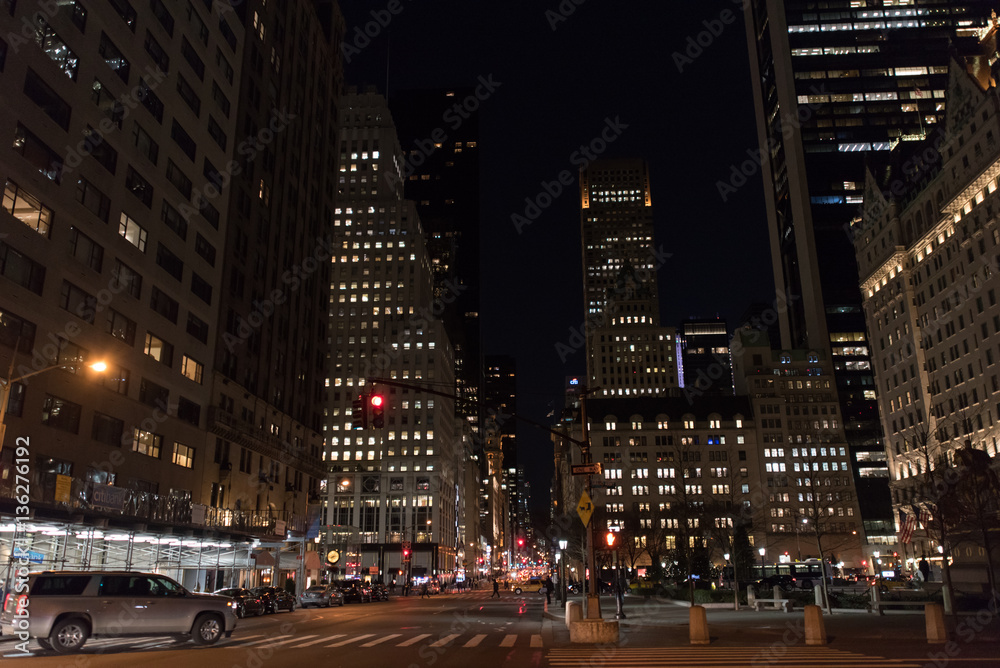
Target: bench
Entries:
(877, 607)
(783, 603)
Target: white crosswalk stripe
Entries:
(414, 641)
(319, 640)
(351, 640)
(476, 639)
(381, 640)
(536, 641)
(443, 642)
(509, 640)
(719, 657)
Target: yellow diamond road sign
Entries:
(585, 508)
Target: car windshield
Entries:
(317, 588)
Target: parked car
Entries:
(356, 591)
(379, 592)
(69, 607)
(785, 582)
(894, 582)
(321, 596)
(433, 587)
(275, 599)
(247, 602)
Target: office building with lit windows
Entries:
(403, 482)
(832, 86)
(628, 352)
(118, 237)
(705, 366)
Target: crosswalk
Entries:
(721, 657)
(262, 641)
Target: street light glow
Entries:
(100, 367)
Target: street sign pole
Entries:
(592, 609)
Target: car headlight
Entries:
(232, 604)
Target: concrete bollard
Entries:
(698, 625)
(934, 618)
(815, 630)
(818, 596)
(574, 612)
(751, 596)
(776, 593)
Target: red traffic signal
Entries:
(520, 542)
(378, 411)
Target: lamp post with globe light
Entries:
(761, 553)
(736, 586)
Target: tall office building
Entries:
(628, 352)
(500, 391)
(439, 134)
(832, 85)
(123, 228)
(403, 482)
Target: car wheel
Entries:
(260, 611)
(808, 584)
(517, 590)
(207, 629)
(69, 635)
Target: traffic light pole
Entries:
(593, 608)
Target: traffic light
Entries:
(378, 408)
(406, 550)
(520, 542)
(359, 414)
(611, 538)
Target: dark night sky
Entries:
(605, 60)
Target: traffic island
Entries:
(593, 631)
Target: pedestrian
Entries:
(549, 588)
(925, 568)
(496, 588)
(392, 586)
(423, 591)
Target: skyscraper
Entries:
(830, 87)
(703, 357)
(403, 482)
(628, 353)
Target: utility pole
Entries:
(593, 608)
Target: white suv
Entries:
(65, 608)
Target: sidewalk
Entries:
(654, 622)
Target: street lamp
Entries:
(736, 586)
(5, 385)
(563, 544)
(761, 553)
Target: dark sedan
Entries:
(321, 596)
(355, 591)
(247, 602)
(275, 599)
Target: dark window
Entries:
(188, 411)
(145, 143)
(45, 97)
(56, 49)
(77, 301)
(204, 249)
(126, 11)
(139, 186)
(218, 135)
(114, 58)
(106, 101)
(197, 328)
(183, 139)
(120, 327)
(209, 212)
(152, 394)
(100, 149)
(199, 26)
(220, 98)
(212, 174)
(21, 269)
(60, 585)
(36, 152)
(201, 288)
(93, 199)
(61, 414)
(160, 302)
(188, 95)
(79, 17)
(176, 176)
(127, 278)
(170, 262)
(150, 101)
(107, 430)
(191, 56)
(227, 33)
(160, 12)
(3, 54)
(172, 218)
(85, 249)
(116, 379)
(157, 53)
(224, 65)
(16, 331)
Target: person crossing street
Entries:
(496, 588)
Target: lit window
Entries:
(183, 455)
(132, 232)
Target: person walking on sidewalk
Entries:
(549, 588)
(496, 588)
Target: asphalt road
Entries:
(471, 629)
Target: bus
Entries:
(807, 573)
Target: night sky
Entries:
(558, 89)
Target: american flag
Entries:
(909, 524)
(925, 518)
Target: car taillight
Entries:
(7, 599)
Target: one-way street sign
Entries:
(586, 469)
